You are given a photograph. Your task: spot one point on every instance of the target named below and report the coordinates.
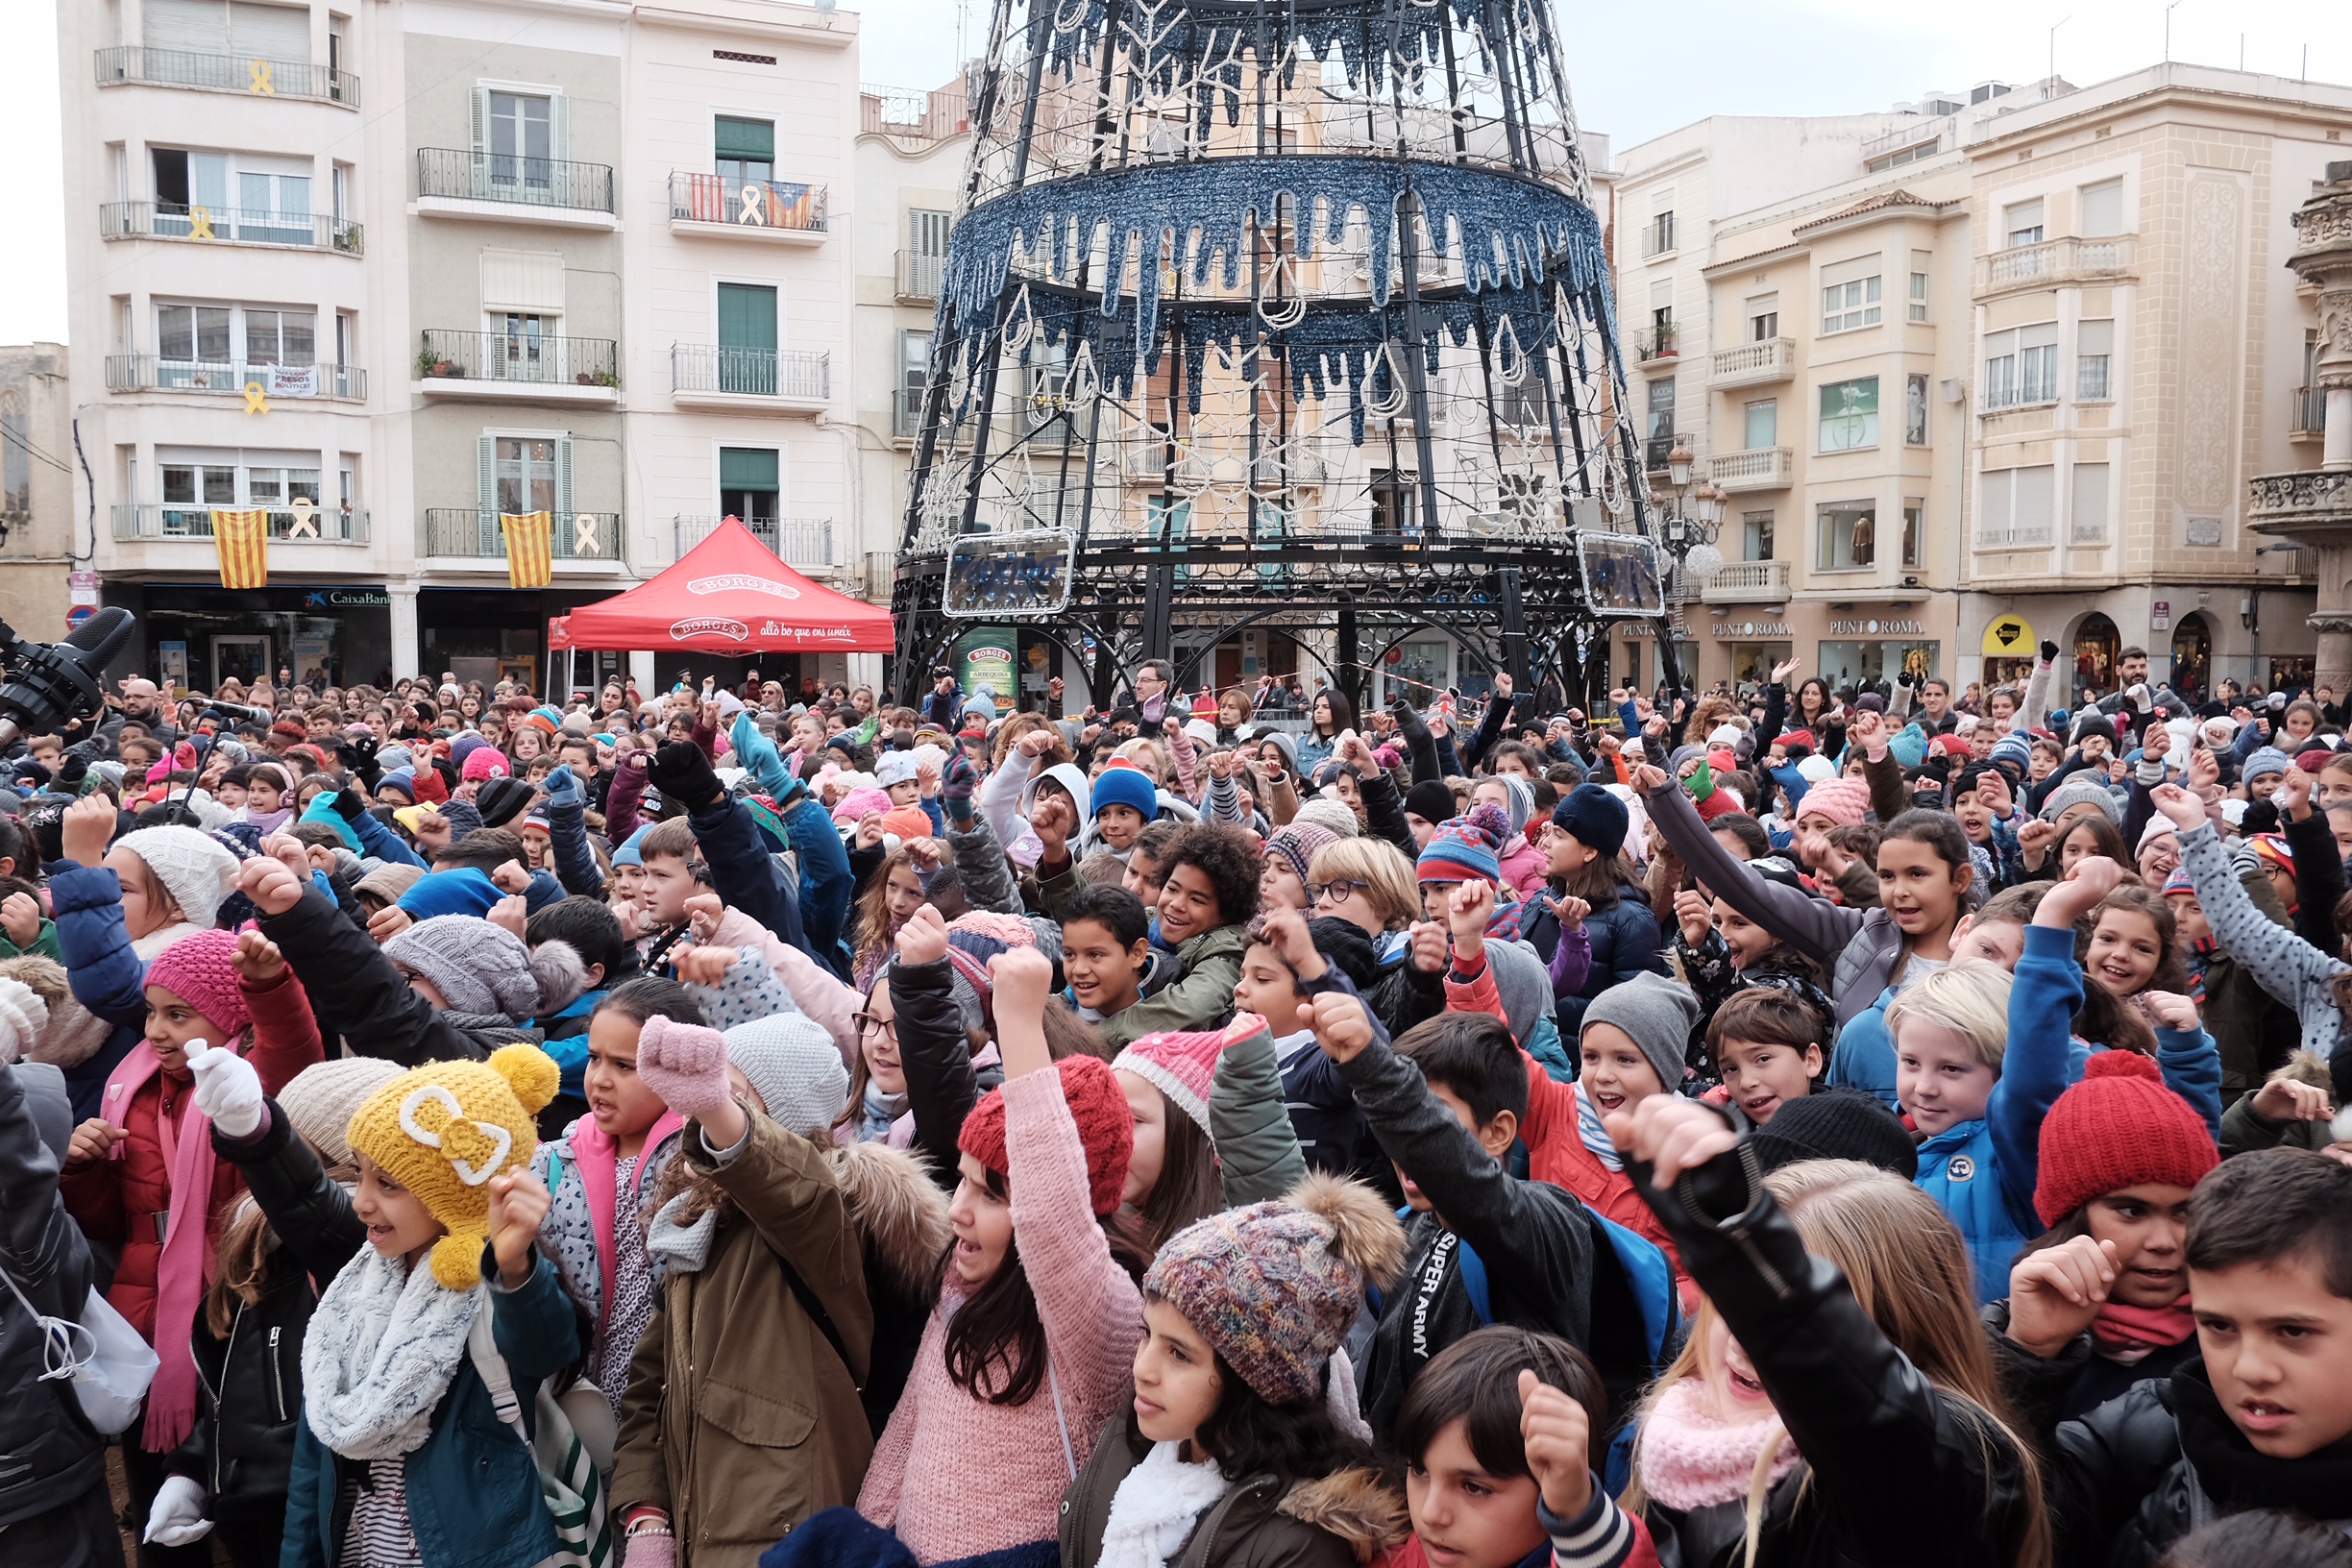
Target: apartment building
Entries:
(909, 170)
(575, 257)
(38, 522)
(2142, 352)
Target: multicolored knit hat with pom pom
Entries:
(442, 1129)
(1466, 849)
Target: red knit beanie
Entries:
(2119, 1127)
(199, 971)
(1105, 1128)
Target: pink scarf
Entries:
(187, 1264)
(1691, 1457)
(2131, 1335)
(598, 1159)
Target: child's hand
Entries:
(1572, 912)
(1220, 763)
(1648, 777)
(1035, 744)
(1557, 1437)
(1468, 908)
(2093, 878)
(1429, 946)
(2204, 771)
(258, 959)
(1285, 930)
(519, 1203)
(2055, 1294)
(84, 829)
(433, 831)
(388, 922)
(1354, 749)
(92, 1139)
(927, 853)
(685, 1064)
(1341, 1025)
(706, 966)
(270, 885)
(1053, 818)
(703, 912)
(2184, 808)
(923, 939)
(511, 913)
(227, 1089)
(1672, 1133)
(2296, 786)
(1023, 977)
(2169, 1010)
(928, 779)
(2282, 1099)
(288, 851)
(869, 830)
(1693, 914)
(20, 915)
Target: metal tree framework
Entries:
(1291, 315)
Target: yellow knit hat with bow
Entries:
(442, 1129)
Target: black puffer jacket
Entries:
(48, 1454)
(1887, 1450)
(241, 1449)
(356, 992)
(942, 1085)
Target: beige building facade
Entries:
(39, 531)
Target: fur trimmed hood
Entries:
(1355, 1505)
(899, 1210)
(2307, 1067)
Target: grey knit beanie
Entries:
(1331, 815)
(1656, 1014)
(484, 968)
(1522, 799)
(2079, 791)
(795, 1068)
(1524, 983)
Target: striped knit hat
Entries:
(1182, 1063)
(1466, 849)
(1297, 844)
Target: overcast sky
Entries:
(1638, 70)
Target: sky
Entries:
(1634, 75)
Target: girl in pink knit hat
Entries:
(1172, 1176)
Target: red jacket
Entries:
(119, 1199)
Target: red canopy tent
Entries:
(728, 594)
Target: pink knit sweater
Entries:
(956, 1477)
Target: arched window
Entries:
(2192, 656)
(2096, 647)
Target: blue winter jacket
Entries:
(1625, 943)
(106, 978)
(1983, 1171)
(473, 1488)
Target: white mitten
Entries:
(177, 1516)
(227, 1089)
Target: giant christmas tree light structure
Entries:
(1291, 315)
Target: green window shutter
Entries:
(752, 140)
(563, 484)
(559, 127)
(746, 317)
(747, 467)
(486, 463)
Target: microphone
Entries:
(50, 684)
(241, 713)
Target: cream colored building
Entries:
(38, 490)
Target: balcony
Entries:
(1908, 143)
(1754, 364)
(456, 366)
(2310, 414)
(804, 544)
(2029, 536)
(1766, 468)
(463, 534)
(920, 277)
(2313, 498)
(1748, 582)
(1655, 344)
(750, 380)
(228, 226)
(227, 73)
(149, 373)
(2053, 262)
(905, 115)
(500, 188)
(759, 210)
(169, 521)
(1657, 449)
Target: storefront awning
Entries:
(730, 595)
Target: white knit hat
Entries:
(23, 1015)
(195, 868)
(795, 1068)
(319, 1101)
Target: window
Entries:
(227, 479)
(1849, 415)
(1919, 297)
(2093, 345)
(1848, 532)
(744, 150)
(1662, 430)
(913, 378)
(1756, 537)
(2015, 507)
(2087, 525)
(1661, 316)
(747, 338)
(749, 482)
(281, 338)
(2022, 223)
(1850, 293)
(248, 196)
(526, 347)
(1763, 318)
(2022, 366)
(1763, 426)
(524, 478)
(1394, 512)
(1915, 529)
(1915, 411)
(192, 333)
(198, 484)
(15, 455)
(1659, 237)
(521, 140)
(2099, 210)
(281, 487)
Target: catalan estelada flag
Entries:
(243, 540)
(530, 554)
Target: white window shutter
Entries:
(559, 127)
(485, 473)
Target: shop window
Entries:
(1848, 534)
(1875, 662)
(1849, 415)
(2097, 645)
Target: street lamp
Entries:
(1678, 466)
(1687, 526)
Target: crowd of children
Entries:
(440, 1129)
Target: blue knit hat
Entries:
(2014, 748)
(1594, 818)
(1466, 849)
(400, 779)
(1122, 786)
(459, 891)
(628, 855)
(2267, 759)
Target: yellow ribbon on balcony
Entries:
(242, 538)
(260, 77)
(200, 223)
(530, 548)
